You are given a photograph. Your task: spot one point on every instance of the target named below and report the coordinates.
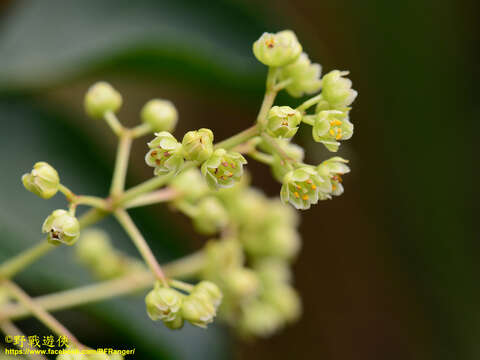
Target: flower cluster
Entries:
(173, 307)
(243, 272)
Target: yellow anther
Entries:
(270, 42)
(298, 186)
(337, 122)
(313, 186)
(296, 194)
(332, 132)
(309, 181)
(333, 187)
(339, 134)
(305, 197)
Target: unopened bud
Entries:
(100, 98)
(43, 180)
(161, 115)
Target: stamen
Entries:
(314, 187)
(296, 194)
(270, 43)
(332, 132)
(305, 197)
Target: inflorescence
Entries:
(244, 270)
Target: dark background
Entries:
(388, 271)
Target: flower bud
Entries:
(43, 180)
(300, 187)
(260, 319)
(100, 98)
(330, 126)
(273, 271)
(211, 290)
(175, 324)
(222, 256)
(93, 245)
(337, 91)
(163, 304)
(161, 115)
(165, 154)
(285, 299)
(61, 228)
(277, 49)
(199, 309)
(211, 216)
(293, 151)
(283, 121)
(198, 144)
(304, 76)
(277, 241)
(190, 184)
(223, 169)
(242, 282)
(331, 170)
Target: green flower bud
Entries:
(223, 168)
(295, 152)
(305, 76)
(241, 282)
(161, 115)
(273, 271)
(278, 49)
(285, 299)
(163, 304)
(283, 121)
(198, 144)
(331, 170)
(260, 319)
(281, 214)
(300, 187)
(175, 324)
(211, 216)
(211, 290)
(61, 228)
(336, 90)
(277, 241)
(199, 309)
(100, 98)
(93, 245)
(330, 126)
(43, 180)
(190, 184)
(165, 154)
(222, 256)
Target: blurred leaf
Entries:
(41, 45)
(29, 134)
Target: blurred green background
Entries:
(388, 271)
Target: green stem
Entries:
(239, 138)
(42, 315)
(155, 197)
(113, 122)
(67, 192)
(141, 130)
(131, 283)
(10, 329)
(25, 258)
(92, 201)
(142, 246)
(261, 157)
(121, 164)
(282, 85)
(309, 119)
(12, 266)
(310, 102)
(181, 285)
(148, 186)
